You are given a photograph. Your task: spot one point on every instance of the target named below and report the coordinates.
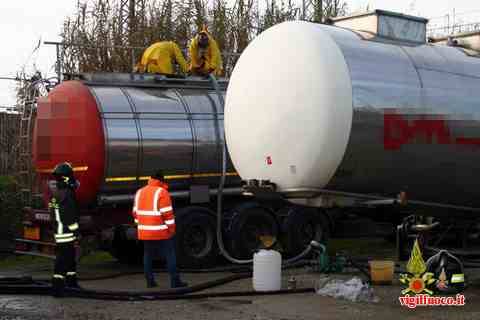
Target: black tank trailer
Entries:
(116, 129)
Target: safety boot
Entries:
(58, 287)
(72, 282)
(175, 282)
(151, 284)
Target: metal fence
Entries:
(454, 23)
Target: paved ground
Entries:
(285, 307)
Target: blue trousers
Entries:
(164, 248)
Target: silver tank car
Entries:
(117, 129)
(356, 113)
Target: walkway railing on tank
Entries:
(453, 29)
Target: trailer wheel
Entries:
(196, 241)
(246, 227)
(301, 226)
(124, 250)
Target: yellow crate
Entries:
(382, 271)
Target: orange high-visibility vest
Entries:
(153, 212)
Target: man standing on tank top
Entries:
(153, 214)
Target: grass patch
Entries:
(97, 257)
(370, 247)
(6, 182)
(24, 261)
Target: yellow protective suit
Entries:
(159, 58)
(210, 62)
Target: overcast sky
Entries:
(24, 22)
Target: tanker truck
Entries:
(361, 110)
(116, 130)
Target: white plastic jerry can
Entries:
(267, 270)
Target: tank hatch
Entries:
(386, 24)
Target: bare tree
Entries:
(98, 35)
(334, 8)
(275, 13)
(324, 9)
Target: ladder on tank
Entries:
(25, 172)
(33, 90)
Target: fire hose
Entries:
(29, 286)
(26, 285)
(221, 245)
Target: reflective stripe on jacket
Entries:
(64, 209)
(153, 212)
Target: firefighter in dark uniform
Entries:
(64, 209)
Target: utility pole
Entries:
(303, 9)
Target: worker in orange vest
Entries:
(153, 213)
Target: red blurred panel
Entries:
(69, 128)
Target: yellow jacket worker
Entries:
(159, 58)
(205, 55)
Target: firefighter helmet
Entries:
(448, 271)
(63, 173)
(63, 169)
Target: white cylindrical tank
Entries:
(267, 270)
(288, 110)
(317, 108)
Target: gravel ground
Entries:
(282, 307)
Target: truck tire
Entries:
(196, 242)
(247, 225)
(301, 226)
(124, 250)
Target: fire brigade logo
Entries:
(417, 279)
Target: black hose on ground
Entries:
(115, 275)
(33, 289)
(236, 270)
(17, 280)
(184, 290)
(29, 286)
(39, 288)
(226, 294)
(173, 294)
